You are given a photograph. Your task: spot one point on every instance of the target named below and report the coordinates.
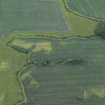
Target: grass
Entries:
(26, 45)
(11, 62)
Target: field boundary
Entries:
(22, 88)
(51, 37)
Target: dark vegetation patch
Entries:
(56, 57)
(20, 49)
(74, 61)
(100, 30)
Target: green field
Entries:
(10, 63)
(93, 9)
(49, 46)
(72, 73)
(80, 26)
(31, 16)
(62, 23)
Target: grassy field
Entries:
(93, 9)
(72, 73)
(10, 63)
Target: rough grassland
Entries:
(10, 63)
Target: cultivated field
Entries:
(31, 16)
(72, 73)
(56, 21)
(53, 70)
(93, 9)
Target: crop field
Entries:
(31, 16)
(89, 8)
(55, 22)
(72, 73)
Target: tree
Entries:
(100, 30)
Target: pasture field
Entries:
(11, 62)
(93, 9)
(72, 73)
